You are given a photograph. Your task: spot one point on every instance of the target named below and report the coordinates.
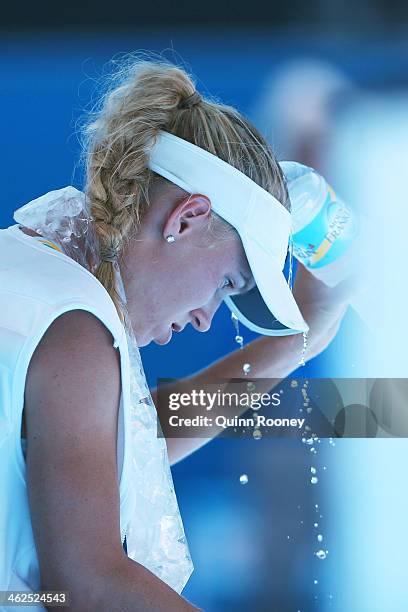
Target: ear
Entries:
(189, 215)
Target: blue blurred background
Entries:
(293, 73)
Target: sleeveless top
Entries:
(38, 284)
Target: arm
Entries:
(71, 401)
(271, 357)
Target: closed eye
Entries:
(228, 283)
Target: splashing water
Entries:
(239, 339)
(304, 349)
(246, 368)
(243, 479)
(321, 554)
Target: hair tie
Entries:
(190, 101)
(109, 254)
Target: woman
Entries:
(185, 206)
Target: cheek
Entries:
(194, 286)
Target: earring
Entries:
(170, 238)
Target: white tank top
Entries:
(38, 284)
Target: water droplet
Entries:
(324, 467)
(251, 387)
(320, 554)
(313, 470)
(239, 339)
(243, 479)
(294, 383)
(309, 409)
(257, 434)
(288, 537)
(315, 582)
(309, 441)
(315, 524)
(320, 538)
(246, 368)
(304, 348)
(314, 480)
(316, 506)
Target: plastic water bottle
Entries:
(324, 228)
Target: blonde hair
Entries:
(143, 98)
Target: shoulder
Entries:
(74, 362)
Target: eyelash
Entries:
(229, 284)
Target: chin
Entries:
(142, 339)
(162, 337)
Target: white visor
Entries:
(261, 221)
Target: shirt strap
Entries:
(49, 244)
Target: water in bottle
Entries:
(324, 229)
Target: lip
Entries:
(164, 339)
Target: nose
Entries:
(201, 318)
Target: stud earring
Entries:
(170, 238)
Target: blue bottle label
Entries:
(328, 236)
